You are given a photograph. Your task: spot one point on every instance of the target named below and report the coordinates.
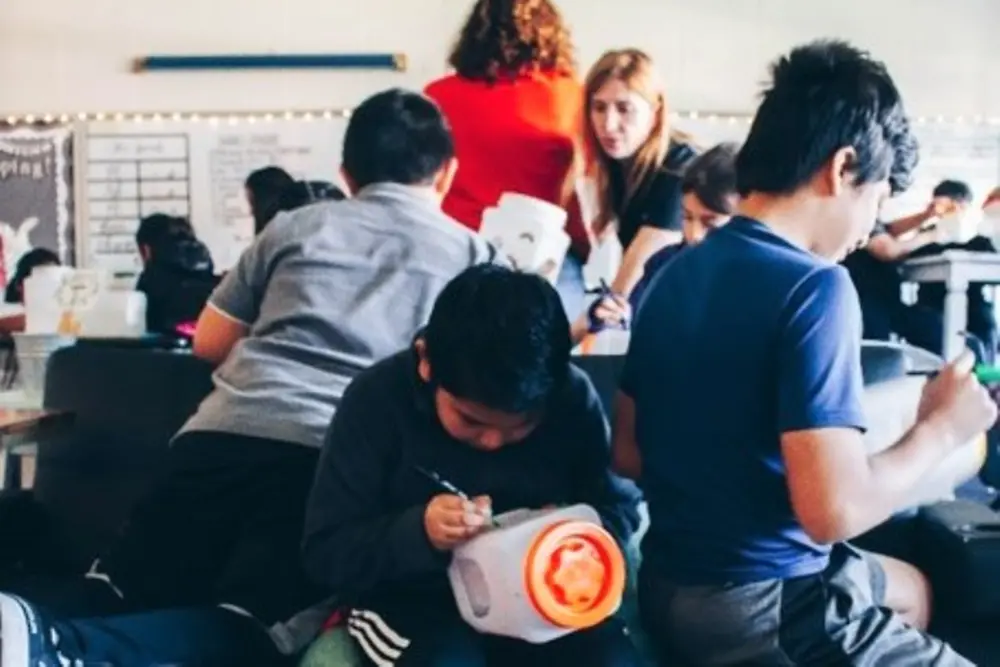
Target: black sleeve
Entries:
(614, 498)
(352, 542)
(663, 207)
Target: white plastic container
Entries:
(82, 303)
(33, 352)
(539, 575)
(530, 232)
(604, 262)
(891, 410)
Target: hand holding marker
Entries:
(608, 309)
(451, 488)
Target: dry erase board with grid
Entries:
(191, 168)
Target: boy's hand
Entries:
(957, 402)
(449, 520)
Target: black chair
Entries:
(128, 404)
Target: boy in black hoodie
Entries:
(177, 276)
(487, 399)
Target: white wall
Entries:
(74, 55)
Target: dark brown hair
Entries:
(502, 38)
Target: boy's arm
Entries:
(352, 542)
(837, 491)
(615, 499)
(626, 459)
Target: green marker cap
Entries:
(987, 374)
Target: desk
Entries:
(956, 269)
(19, 433)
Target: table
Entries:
(956, 269)
(20, 430)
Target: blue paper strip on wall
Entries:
(389, 61)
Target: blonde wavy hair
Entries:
(502, 38)
(636, 70)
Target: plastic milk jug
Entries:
(891, 410)
(530, 232)
(539, 575)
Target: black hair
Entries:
(303, 193)
(299, 194)
(159, 228)
(28, 262)
(711, 176)
(499, 338)
(396, 136)
(958, 191)
(825, 96)
(265, 186)
(679, 155)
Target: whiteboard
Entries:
(130, 169)
(963, 151)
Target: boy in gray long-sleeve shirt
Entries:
(322, 294)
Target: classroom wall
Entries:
(74, 55)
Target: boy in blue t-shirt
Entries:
(753, 493)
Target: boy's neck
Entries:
(789, 216)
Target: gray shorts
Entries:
(832, 618)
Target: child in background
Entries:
(264, 188)
(708, 199)
(754, 494)
(488, 399)
(177, 275)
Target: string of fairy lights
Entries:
(251, 117)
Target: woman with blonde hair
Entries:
(514, 105)
(627, 136)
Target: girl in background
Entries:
(708, 200)
(513, 104)
(271, 190)
(264, 188)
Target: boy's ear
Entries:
(840, 173)
(349, 182)
(423, 366)
(445, 177)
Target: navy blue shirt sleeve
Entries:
(352, 542)
(819, 375)
(615, 499)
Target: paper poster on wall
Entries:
(36, 193)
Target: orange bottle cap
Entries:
(574, 574)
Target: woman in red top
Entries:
(515, 108)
